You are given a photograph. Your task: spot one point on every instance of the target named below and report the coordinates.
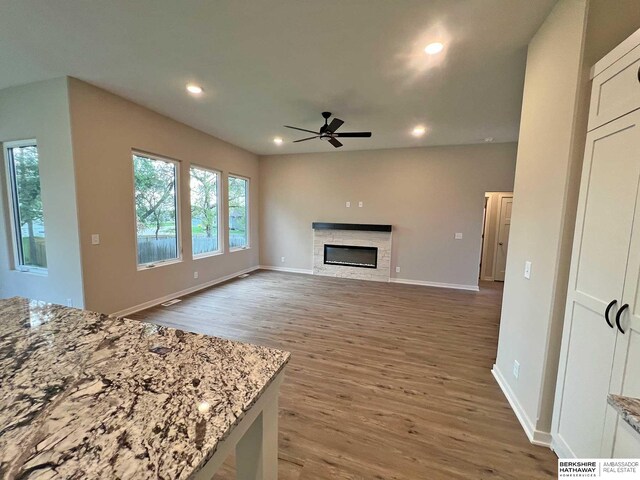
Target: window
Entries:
(238, 212)
(205, 198)
(26, 206)
(156, 199)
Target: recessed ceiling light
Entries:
(434, 48)
(418, 131)
(277, 141)
(193, 88)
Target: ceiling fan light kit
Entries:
(328, 132)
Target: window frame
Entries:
(13, 206)
(221, 222)
(248, 221)
(177, 164)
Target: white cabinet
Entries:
(597, 357)
(626, 441)
(615, 91)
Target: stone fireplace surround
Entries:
(356, 234)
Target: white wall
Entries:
(41, 111)
(427, 194)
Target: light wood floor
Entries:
(386, 381)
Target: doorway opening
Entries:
(495, 235)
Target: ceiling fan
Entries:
(328, 131)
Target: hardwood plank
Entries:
(386, 381)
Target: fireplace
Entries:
(352, 250)
(351, 255)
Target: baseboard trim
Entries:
(285, 269)
(456, 286)
(560, 447)
(536, 437)
(181, 293)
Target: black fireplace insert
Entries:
(351, 255)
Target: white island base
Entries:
(255, 440)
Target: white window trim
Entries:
(171, 261)
(248, 203)
(12, 207)
(221, 222)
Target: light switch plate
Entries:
(397, 269)
(458, 236)
(361, 204)
(348, 204)
(527, 269)
(95, 239)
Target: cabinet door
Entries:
(599, 260)
(625, 376)
(616, 90)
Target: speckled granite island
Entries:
(628, 408)
(87, 396)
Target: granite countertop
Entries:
(628, 408)
(84, 395)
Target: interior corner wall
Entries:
(105, 128)
(540, 206)
(552, 136)
(41, 111)
(427, 194)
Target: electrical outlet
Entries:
(397, 269)
(69, 302)
(95, 239)
(348, 204)
(195, 274)
(516, 369)
(458, 236)
(360, 204)
(282, 259)
(527, 269)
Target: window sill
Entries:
(239, 249)
(207, 255)
(40, 272)
(151, 266)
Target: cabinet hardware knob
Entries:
(606, 312)
(622, 309)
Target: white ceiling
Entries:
(264, 63)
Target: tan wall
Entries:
(427, 194)
(551, 145)
(105, 128)
(41, 111)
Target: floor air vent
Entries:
(170, 302)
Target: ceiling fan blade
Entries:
(303, 139)
(302, 129)
(353, 134)
(334, 125)
(335, 142)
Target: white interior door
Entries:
(504, 225)
(601, 245)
